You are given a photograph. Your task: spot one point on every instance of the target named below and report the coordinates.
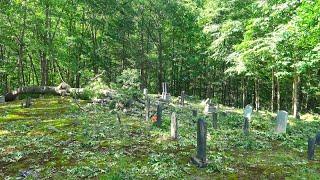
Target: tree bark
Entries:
(295, 95)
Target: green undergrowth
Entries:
(56, 139)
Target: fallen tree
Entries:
(62, 90)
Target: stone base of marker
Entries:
(208, 109)
(166, 97)
(199, 163)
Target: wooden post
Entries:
(201, 158)
(174, 126)
(159, 115)
(118, 117)
(311, 147)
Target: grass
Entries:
(54, 139)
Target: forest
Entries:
(92, 89)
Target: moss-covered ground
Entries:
(55, 139)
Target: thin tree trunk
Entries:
(295, 95)
(257, 94)
(272, 91)
(278, 94)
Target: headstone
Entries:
(318, 138)
(247, 116)
(174, 126)
(159, 115)
(208, 109)
(201, 158)
(145, 92)
(311, 147)
(282, 120)
(247, 111)
(182, 98)
(2, 99)
(215, 118)
(165, 95)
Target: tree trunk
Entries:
(278, 94)
(257, 101)
(272, 91)
(295, 95)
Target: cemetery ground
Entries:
(54, 138)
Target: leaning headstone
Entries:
(318, 138)
(247, 116)
(215, 118)
(2, 99)
(174, 126)
(282, 120)
(311, 147)
(159, 115)
(200, 159)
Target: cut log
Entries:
(62, 89)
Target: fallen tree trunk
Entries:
(61, 90)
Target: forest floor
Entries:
(55, 139)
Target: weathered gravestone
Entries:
(174, 126)
(215, 118)
(182, 98)
(311, 147)
(209, 108)
(282, 120)
(200, 159)
(159, 115)
(165, 95)
(318, 138)
(2, 99)
(247, 116)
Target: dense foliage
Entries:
(236, 51)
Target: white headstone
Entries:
(145, 91)
(247, 111)
(282, 120)
(2, 99)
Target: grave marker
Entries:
(318, 138)
(165, 95)
(215, 118)
(247, 116)
(159, 115)
(282, 120)
(311, 147)
(174, 126)
(201, 158)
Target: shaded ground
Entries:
(55, 139)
